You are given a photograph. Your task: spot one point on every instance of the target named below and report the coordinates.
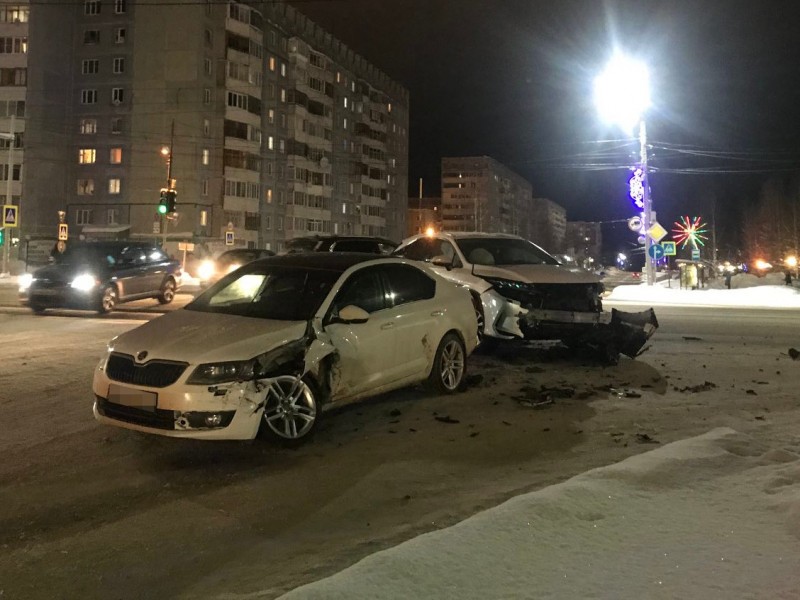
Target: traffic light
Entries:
(167, 203)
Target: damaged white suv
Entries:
(274, 343)
(521, 291)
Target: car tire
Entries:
(167, 293)
(108, 300)
(292, 410)
(449, 369)
(477, 304)
(37, 309)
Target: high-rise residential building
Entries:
(548, 223)
(269, 126)
(13, 89)
(480, 194)
(584, 241)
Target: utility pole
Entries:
(647, 206)
(165, 218)
(7, 237)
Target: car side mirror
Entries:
(442, 261)
(352, 314)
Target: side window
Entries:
(407, 284)
(355, 246)
(363, 289)
(133, 255)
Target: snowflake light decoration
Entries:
(636, 187)
(690, 231)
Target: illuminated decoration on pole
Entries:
(636, 187)
(690, 231)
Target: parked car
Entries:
(336, 243)
(212, 270)
(276, 342)
(99, 275)
(521, 291)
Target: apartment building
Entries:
(423, 213)
(268, 126)
(13, 89)
(481, 194)
(584, 242)
(548, 224)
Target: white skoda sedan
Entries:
(271, 345)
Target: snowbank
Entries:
(708, 517)
(753, 292)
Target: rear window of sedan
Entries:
(268, 292)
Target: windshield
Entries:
(503, 251)
(268, 292)
(93, 254)
(237, 257)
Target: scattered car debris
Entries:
(474, 434)
(692, 338)
(694, 389)
(623, 393)
(395, 412)
(751, 392)
(447, 419)
(535, 404)
(760, 418)
(794, 353)
(643, 438)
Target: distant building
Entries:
(280, 130)
(480, 194)
(584, 242)
(548, 225)
(422, 214)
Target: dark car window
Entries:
(89, 254)
(407, 284)
(426, 249)
(363, 289)
(155, 255)
(133, 255)
(268, 292)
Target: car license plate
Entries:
(132, 397)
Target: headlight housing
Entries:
(25, 281)
(222, 372)
(84, 282)
(508, 285)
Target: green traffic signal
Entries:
(162, 209)
(2, 236)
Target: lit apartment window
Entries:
(116, 125)
(117, 95)
(270, 143)
(271, 63)
(271, 116)
(87, 156)
(389, 107)
(119, 7)
(344, 123)
(283, 69)
(114, 186)
(83, 216)
(88, 126)
(91, 7)
(283, 95)
(206, 156)
(115, 156)
(112, 216)
(119, 66)
(90, 66)
(268, 195)
(344, 100)
(85, 187)
(203, 218)
(119, 35)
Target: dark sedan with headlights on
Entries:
(99, 275)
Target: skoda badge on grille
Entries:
(141, 356)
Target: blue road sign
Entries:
(695, 254)
(656, 251)
(669, 248)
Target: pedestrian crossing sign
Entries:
(10, 215)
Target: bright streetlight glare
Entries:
(622, 91)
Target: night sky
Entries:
(513, 79)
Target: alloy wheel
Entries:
(290, 410)
(451, 365)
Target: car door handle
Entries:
(437, 313)
(387, 325)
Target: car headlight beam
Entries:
(25, 281)
(84, 282)
(206, 269)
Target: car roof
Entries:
(327, 261)
(341, 238)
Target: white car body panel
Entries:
(388, 351)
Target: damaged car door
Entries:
(365, 347)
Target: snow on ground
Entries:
(746, 291)
(715, 516)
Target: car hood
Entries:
(200, 337)
(538, 273)
(68, 271)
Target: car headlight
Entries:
(221, 372)
(206, 269)
(25, 281)
(502, 285)
(84, 282)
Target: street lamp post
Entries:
(622, 94)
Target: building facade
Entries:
(548, 224)
(480, 194)
(268, 126)
(13, 92)
(584, 242)
(423, 213)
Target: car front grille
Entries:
(154, 373)
(157, 419)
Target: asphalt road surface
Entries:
(98, 512)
